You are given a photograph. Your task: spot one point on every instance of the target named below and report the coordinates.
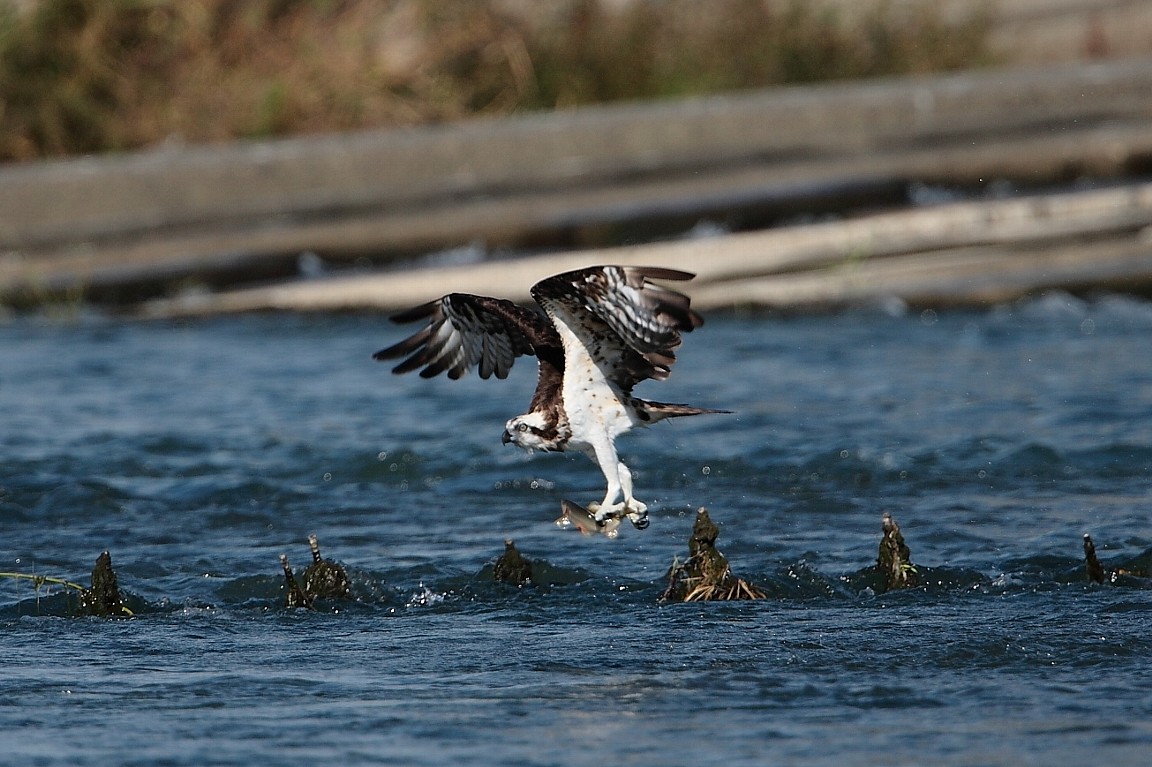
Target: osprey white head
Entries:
(530, 432)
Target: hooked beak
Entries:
(506, 437)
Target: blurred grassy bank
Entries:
(80, 76)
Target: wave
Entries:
(420, 588)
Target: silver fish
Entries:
(576, 516)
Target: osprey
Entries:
(604, 329)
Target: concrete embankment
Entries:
(962, 253)
(145, 226)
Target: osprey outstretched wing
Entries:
(604, 329)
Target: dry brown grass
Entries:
(99, 75)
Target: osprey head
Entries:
(531, 432)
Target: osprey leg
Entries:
(636, 511)
(619, 479)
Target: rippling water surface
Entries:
(198, 452)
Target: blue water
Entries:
(197, 452)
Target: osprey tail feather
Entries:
(658, 411)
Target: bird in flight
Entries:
(603, 330)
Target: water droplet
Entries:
(928, 316)
(706, 470)
(327, 476)
(843, 453)
(1088, 326)
(382, 455)
(981, 474)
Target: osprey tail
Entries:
(658, 411)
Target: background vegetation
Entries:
(82, 76)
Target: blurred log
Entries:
(959, 277)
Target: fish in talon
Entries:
(579, 518)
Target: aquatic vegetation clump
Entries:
(102, 600)
(894, 561)
(512, 567)
(294, 596)
(1131, 573)
(1092, 564)
(323, 579)
(706, 575)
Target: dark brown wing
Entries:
(625, 321)
(464, 331)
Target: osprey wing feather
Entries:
(644, 320)
(464, 332)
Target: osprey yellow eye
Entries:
(521, 427)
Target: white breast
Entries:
(595, 408)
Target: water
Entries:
(198, 452)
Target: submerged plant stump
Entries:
(323, 579)
(512, 567)
(1130, 573)
(294, 596)
(705, 574)
(1092, 564)
(894, 561)
(104, 599)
